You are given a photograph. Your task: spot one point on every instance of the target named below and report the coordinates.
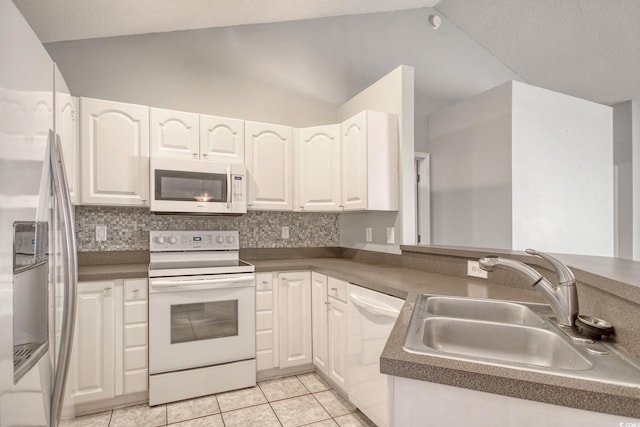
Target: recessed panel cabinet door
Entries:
(114, 149)
(221, 139)
(93, 348)
(319, 310)
(337, 335)
(174, 134)
(269, 166)
(67, 127)
(295, 318)
(354, 162)
(318, 169)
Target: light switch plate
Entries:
(391, 235)
(285, 232)
(101, 233)
(368, 234)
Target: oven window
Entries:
(190, 186)
(203, 321)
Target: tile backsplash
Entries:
(128, 228)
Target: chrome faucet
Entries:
(563, 298)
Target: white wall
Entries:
(622, 160)
(520, 166)
(470, 148)
(562, 172)
(393, 93)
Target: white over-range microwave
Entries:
(197, 187)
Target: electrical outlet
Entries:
(285, 232)
(101, 233)
(391, 235)
(367, 232)
(474, 270)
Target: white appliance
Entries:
(197, 187)
(201, 315)
(38, 268)
(371, 318)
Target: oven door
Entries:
(197, 321)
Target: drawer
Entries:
(264, 321)
(135, 335)
(264, 282)
(337, 289)
(264, 340)
(135, 381)
(135, 312)
(264, 300)
(135, 289)
(135, 358)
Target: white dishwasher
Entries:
(371, 317)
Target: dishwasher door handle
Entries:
(373, 308)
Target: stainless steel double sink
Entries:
(515, 335)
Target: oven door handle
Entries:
(209, 283)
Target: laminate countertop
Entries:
(408, 283)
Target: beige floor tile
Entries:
(210, 421)
(240, 399)
(325, 423)
(313, 382)
(354, 420)
(282, 388)
(140, 415)
(254, 416)
(94, 420)
(192, 408)
(335, 404)
(299, 411)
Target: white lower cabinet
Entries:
(110, 343)
(266, 322)
(94, 347)
(294, 309)
(329, 308)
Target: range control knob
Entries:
(230, 239)
(220, 239)
(160, 240)
(173, 240)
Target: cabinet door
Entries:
(67, 128)
(135, 331)
(354, 162)
(318, 176)
(114, 148)
(221, 139)
(269, 166)
(337, 334)
(319, 320)
(174, 134)
(295, 318)
(93, 348)
(266, 330)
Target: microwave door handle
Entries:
(228, 188)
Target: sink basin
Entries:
(515, 335)
(509, 343)
(489, 310)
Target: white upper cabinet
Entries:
(67, 128)
(177, 134)
(370, 162)
(269, 166)
(114, 148)
(221, 139)
(174, 134)
(318, 169)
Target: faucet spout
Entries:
(563, 298)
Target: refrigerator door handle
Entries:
(63, 201)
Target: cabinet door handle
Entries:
(107, 291)
(204, 155)
(195, 155)
(334, 289)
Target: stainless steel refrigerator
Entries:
(38, 269)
